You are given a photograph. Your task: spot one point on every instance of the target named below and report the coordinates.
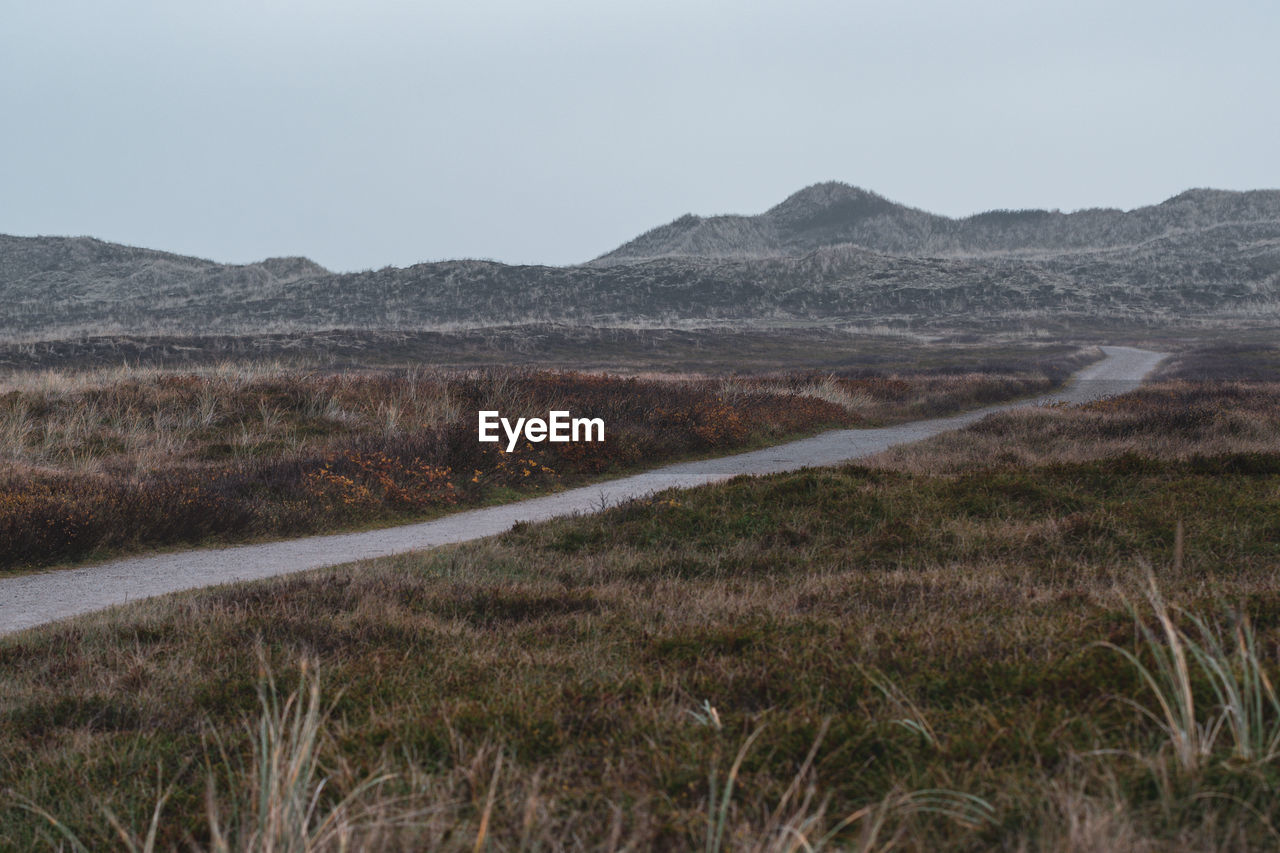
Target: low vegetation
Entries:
(1242, 360)
(120, 460)
(628, 349)
(1050, 649)
(1196, 423)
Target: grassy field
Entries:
(715, 350)
(1053, 630)
(117, 460)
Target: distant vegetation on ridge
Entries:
(830, 253)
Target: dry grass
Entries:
(117, 460)
(916, 650)
(905, 656)
(1209, 402)
(703, 348)
(114, 461)
(1172, 420)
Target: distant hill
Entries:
(830, 254)
(832, 214)
(53, 284)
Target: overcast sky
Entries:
(377, 132)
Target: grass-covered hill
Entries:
(832, 213)
(829, 254)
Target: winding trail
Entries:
(35, 599)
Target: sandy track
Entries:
(35, 599)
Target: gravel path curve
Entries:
(34, 599)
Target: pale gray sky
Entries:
(379, 132)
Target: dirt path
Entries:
(35, 599)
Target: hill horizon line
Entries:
(805, 196)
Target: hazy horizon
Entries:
(387, 133)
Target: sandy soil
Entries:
(34, 599)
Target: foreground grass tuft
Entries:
(1246, 711)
